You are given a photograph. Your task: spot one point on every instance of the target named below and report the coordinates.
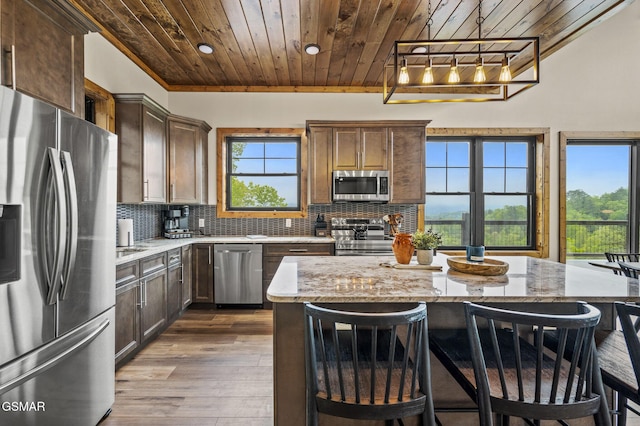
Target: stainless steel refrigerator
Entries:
(57, 265)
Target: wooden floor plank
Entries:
(209, 368)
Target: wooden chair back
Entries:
(516, 376)
(629, 315)
(368, 365)
(621, 257)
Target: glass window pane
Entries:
(516, 154)
(436, 154)
(248, 166)
(458, 180)
(449, 215)
(516, 180)
(493, 180)
(436, 180)
(264, 192)
(493, 154)
(506, 221)
(247, 150)
(281, 150)
(458, 154)
(281, 166)
(597, 213)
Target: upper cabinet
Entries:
(188, 142)
(42, 51)
(397, 146)
(142, 149)
(357, 148)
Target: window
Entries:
(261, 173)
(600, 197)
(485, 190)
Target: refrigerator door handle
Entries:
(34, 363)
(53, 241)
(72, 222)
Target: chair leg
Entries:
(622, 410)
(388, 422)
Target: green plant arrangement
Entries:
(426, 240)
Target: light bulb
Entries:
(454, 75)
(427, 77)
(403, 77)
(479, 76)
(505, 71)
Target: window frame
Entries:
(601, 138)
(540, 202)
(223, 135)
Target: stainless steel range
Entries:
(360, 236)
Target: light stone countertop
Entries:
(348, 279)
(158, 245)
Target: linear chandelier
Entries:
(460, 70)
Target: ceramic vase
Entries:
(424, 257)
(402, 248)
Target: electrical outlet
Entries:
(287, 223)
(200, 223)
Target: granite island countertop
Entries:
(158, 245)
(347, 279)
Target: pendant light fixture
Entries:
(502, 67)
(479, 76)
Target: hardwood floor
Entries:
(211, 367)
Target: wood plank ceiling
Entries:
(259, 44)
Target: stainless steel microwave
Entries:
(361, 185)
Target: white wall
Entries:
(588, 85)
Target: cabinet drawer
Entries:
(126, 273)
(321, 249)
(152, 264)
(175, 256)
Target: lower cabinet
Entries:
(186, 276)
(174, 284)
(272, 255)
(202, 273)
(141, 304)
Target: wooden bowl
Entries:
(488, 267)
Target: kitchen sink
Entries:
(125, 251)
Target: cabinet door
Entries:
(154, 157)
(185, 163)
(174, 292)
(153, 316)
(320, 165)
(373, 149)
(346, 148)
(186, 276)
(127, 326)
(407, 180)
(43, 52)
(202, 273)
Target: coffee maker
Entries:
(176, 222)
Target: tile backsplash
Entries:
(147, 219)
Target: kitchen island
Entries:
(361, 283)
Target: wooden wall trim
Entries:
(105, 105)
(221, 152)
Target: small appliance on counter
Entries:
(320, 226)
(176, 222)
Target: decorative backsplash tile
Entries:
(147, 219)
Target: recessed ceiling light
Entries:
(312, 49)
(205, 48)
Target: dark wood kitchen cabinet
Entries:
(272, 255)
(395, 145)
(186, 276)
(153, 303)
(188, 146)
(127, 323)
(142, 149)
(358, 148)
(42, 48)
(174, 284)
(202, 274)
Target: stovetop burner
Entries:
(360, 236)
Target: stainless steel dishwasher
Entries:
(237, 274)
